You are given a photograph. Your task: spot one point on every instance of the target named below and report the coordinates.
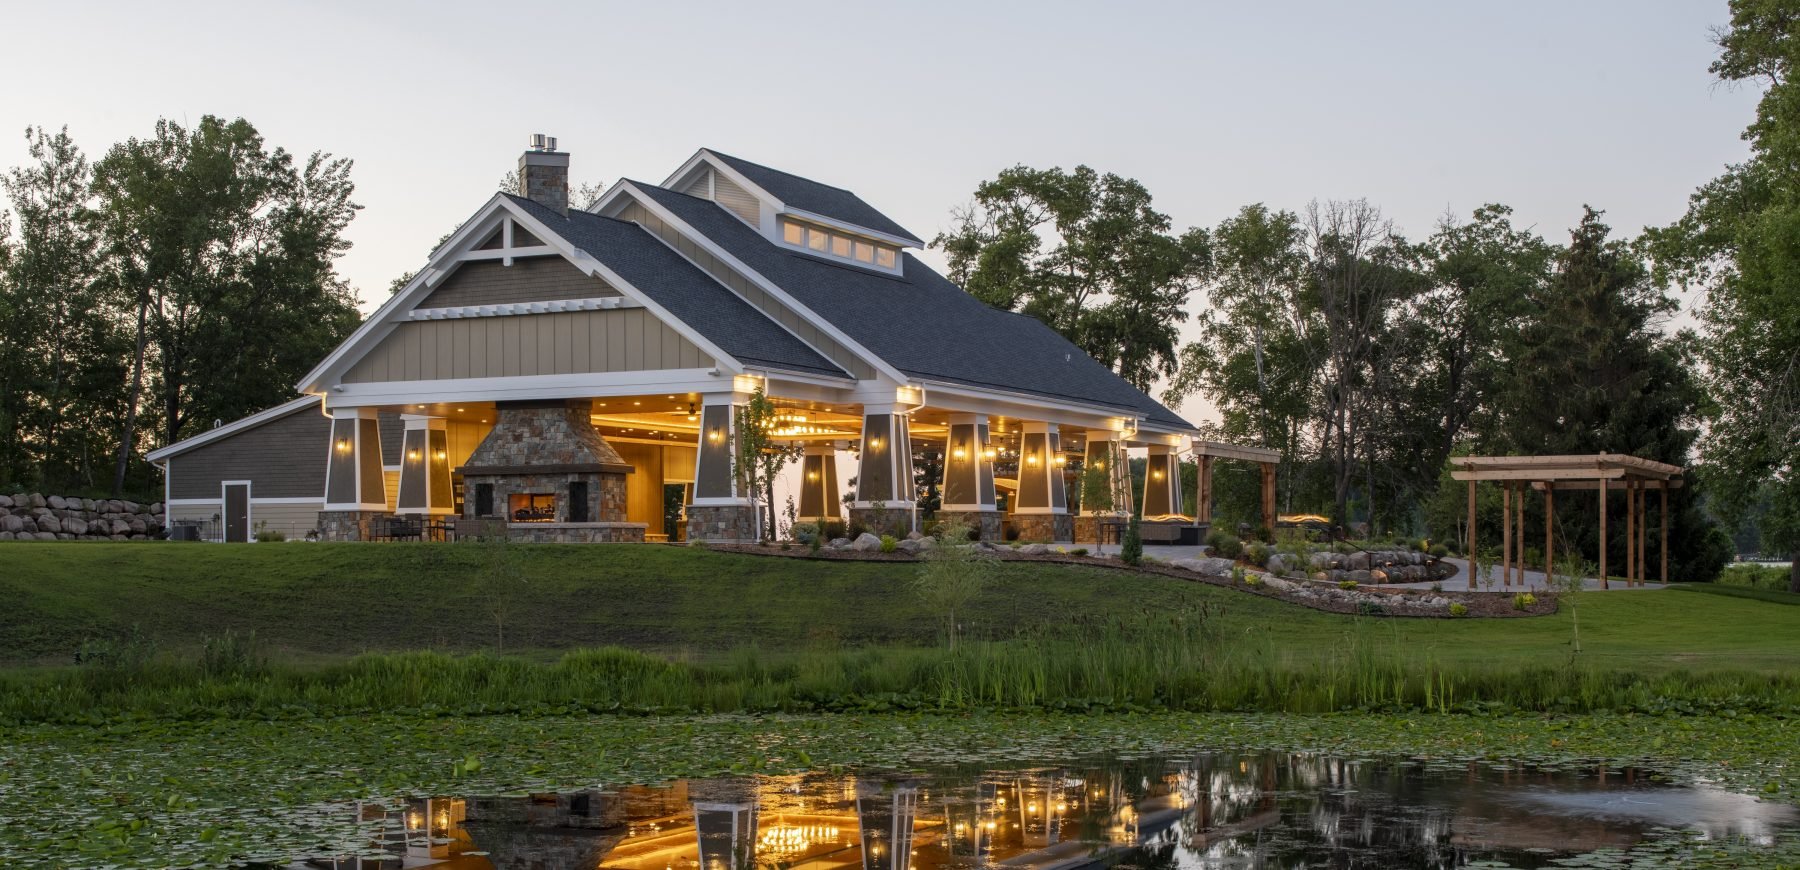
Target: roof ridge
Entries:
(717, 153)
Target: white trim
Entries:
(721, 501)
(505, 255)
(768, 286)
(353, 506)
(211, 435)
(873, 235)
(1041, 511)
(289, 500)
(587, 385)
(249, 510)
(509, 309)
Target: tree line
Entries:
(183, 278)
(1370, 360)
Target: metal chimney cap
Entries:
(541, 142)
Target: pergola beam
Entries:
(1236, 451)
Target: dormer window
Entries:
(818, 240)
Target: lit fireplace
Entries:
(531, 507)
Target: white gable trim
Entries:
(232, 428)
(397, 310)
(624, 188)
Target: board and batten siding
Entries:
(525, 345)
(736, 200)
(285, 458)
(292, 520)
(747, 290)
(528, 279)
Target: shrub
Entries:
(1457, 609)
(1237, 573)
(1346, 585)
(1437, 586)
(1012, 533)
(1131, 548)
(1224, 544)
(832, 529)
(1257, 554)
(1523, 601)
(889, 543)
(232, 656)
(1078, 551)
(787, 545)
(1343, 548)
(129, 651)
(1439, 550)
(805, 533)
(1252, 579)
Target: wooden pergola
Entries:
(1602, 472)
(1204, 454)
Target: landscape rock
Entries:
(57, 503)
(120, 527)
(914, 535)
(74, 526)
(138, 526)
(1035, 550)
(157, 508)
(1277, 564)
(6, 501)
(11, 524)
(37, 500)
(1210, 567)
(910, 545)
(927, 543)
(839, 543)
(6, 536)
(44, 536)
(1320, 561)
(1357, 561)
(866, 543)
(1360, 576)
(49, 524)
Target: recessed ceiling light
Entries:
(637, 403)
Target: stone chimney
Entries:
(544, 174)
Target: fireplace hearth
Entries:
(546, 472)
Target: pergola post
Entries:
(1549, 536)
(1519, 542)
(1203, 496)
(1663, 515)
(1631, 532)
(1643, 542)
(1268, 496)
(1469, 544)
(1506, 491)
(1603, 488)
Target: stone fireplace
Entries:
(549, 476)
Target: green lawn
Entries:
(313, 602)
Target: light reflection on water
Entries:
(1209, 811)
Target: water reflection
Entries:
(1208, 811)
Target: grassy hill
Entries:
(325, 602)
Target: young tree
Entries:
(1735, 245)
(1115, 279)
(760, 458)
(1097, 498)
(953, 576)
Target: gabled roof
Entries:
(921, 323)
(683, 290)
(807, 195)
(251, 422)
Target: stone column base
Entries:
(347, 525)
(987, 523)
(896, 521)
(723, 524)
(1057, 528)
(1087, 528)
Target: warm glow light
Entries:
(412, 455)
(1031, 807)
(1061, 459)
(875, 443)
(812, 475)
(440, 453)
(959, 453)
(414, 820)
(343, 445)
(1031, 459)
(991, 826)
(1157, 474)
(714, 435)
(990, 453)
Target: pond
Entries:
(1188, 811)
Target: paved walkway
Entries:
(1534, 580)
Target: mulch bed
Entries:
(1480, 604)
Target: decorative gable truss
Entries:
(508, 310)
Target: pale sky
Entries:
(1421, 107)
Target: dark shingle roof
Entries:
(689, 294)
(921, 323)
(820, 199)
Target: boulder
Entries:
(914, 535)
(120, 527)
(839, 543)
(1378, 576)
(37, 500)
(1360, 576)
(1357, 561)
(1035, 550)
(1210, 567)
(11, 524)
(57, 503)
(117, 538)
(29, 524)
(138, 526)
(1277, 564)
(44, 536)
(6, 536)
(130, 507)
(157, 508)
(910, 545)
(74, 526)
(6, 501)
(1320, 561)
(866, 543)
(49, 524)
(64, 536)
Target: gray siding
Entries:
(392, 429)
(751, 293)
(702, 185)
(737, 200)
(528, 279)
(571, 342)
(285, 457)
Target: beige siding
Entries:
(293, 520)
(737, 200)
(702, 185)
(285, 457)
(528, 279)
(807, 331)
(622, 340)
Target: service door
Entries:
(237, 513)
